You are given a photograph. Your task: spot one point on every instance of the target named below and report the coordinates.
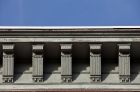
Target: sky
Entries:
(69, 12)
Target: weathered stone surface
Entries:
(38, 47)
(37, 79)
(66, 65)
(66, 46)
(124, 62)
(62, 87)
(8, 62)
(66, 62)
(66, 78)
(95, 78)
(95, 62)
(37, 63)
(8, 46)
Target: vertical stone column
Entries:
(37, 62)
(124, 62)
(8, 62)
(95, 62)
(66, 62)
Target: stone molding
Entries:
(8, 46)
(37, 47)
(66, 46)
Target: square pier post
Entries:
(37, 62)
(124, 62)
(66, 62)
(95, 62)
(8, 63)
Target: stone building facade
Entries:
(69, 58)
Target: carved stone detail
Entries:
(66, 78)
(124, 46)
(66, 62)
(124, 78)
(37, 79)
(37, 47)
(95, 46)
(7, 79)
(8, 46)
(95, 78)
(66, 46)
(124, 62)
(8, 63)
(37, 63)
(95, 62)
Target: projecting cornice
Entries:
(71, 29)
(70, 34)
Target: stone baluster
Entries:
(8, 62)
(124, 62)
(95, 62)
(66, 62)
(37, 62)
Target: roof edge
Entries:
(65, 27)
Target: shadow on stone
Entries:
(133, 77)
(75, 76)
(104, 76)
(20, 69)
(46, 76)
(17, 76)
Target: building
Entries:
(70, 58)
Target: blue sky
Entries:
(69, 12)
